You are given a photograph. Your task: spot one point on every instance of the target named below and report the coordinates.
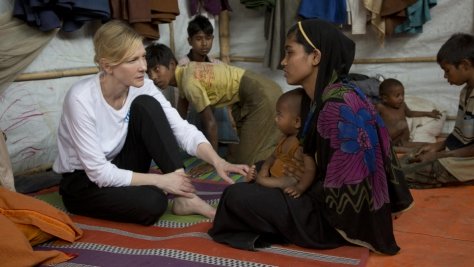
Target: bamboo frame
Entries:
(394, 60)
(33, 76)
(224, 36)
(224, 54)
(172, 42)
(356, 61)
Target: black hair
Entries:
(296, 96)
(387, 84)
(304, 104)
(293, 31)
(200, 23)
(458, 47)
(159, 54)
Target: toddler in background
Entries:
(289, 121)
(394, 111)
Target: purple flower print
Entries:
(351, 128)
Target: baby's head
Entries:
(200, 35)
(456, 58)
(288, 109)
(392, 93)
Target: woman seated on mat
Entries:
(113, 124)
(355, 191)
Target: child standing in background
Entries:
(289, 121)
(200, 38)
(394, 111)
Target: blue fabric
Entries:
(226, 133)
(329, 10)
(69, 15)
(77, 12)
(418, 14)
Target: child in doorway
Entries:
(289, 121)
(394, 111)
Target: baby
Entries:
(394, 111)
(288, 150)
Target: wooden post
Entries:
(224, 56)
(224, 41)
(172, 43)
(33, 76)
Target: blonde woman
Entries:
(113, 124)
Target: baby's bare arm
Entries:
(265, 169)
(413, 113)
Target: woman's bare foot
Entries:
(195, 205)
(251, 174)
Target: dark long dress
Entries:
(351, 200)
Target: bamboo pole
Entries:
(246, 59)
(224, 36)
(451, 117)
(224, 54)
(394, 60)
(356, 61)
(33, 76)
(172, 43)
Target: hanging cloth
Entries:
(394, 13)
(69, 15)
(277, 22)
(145, 15)
(20, 45)
(214, 7)
(334, 11)
(256, 4)
(6, 173)
(418, 14)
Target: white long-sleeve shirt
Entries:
(91, 133)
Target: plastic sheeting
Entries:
(29, 111)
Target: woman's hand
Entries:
(177, 183)
(224, 168)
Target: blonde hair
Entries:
(115, 41)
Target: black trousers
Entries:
(149, 137)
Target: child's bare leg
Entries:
(251, 174)
(277, 182)
(195, 205)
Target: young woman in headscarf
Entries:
(355, 192)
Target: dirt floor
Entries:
(437, 231)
